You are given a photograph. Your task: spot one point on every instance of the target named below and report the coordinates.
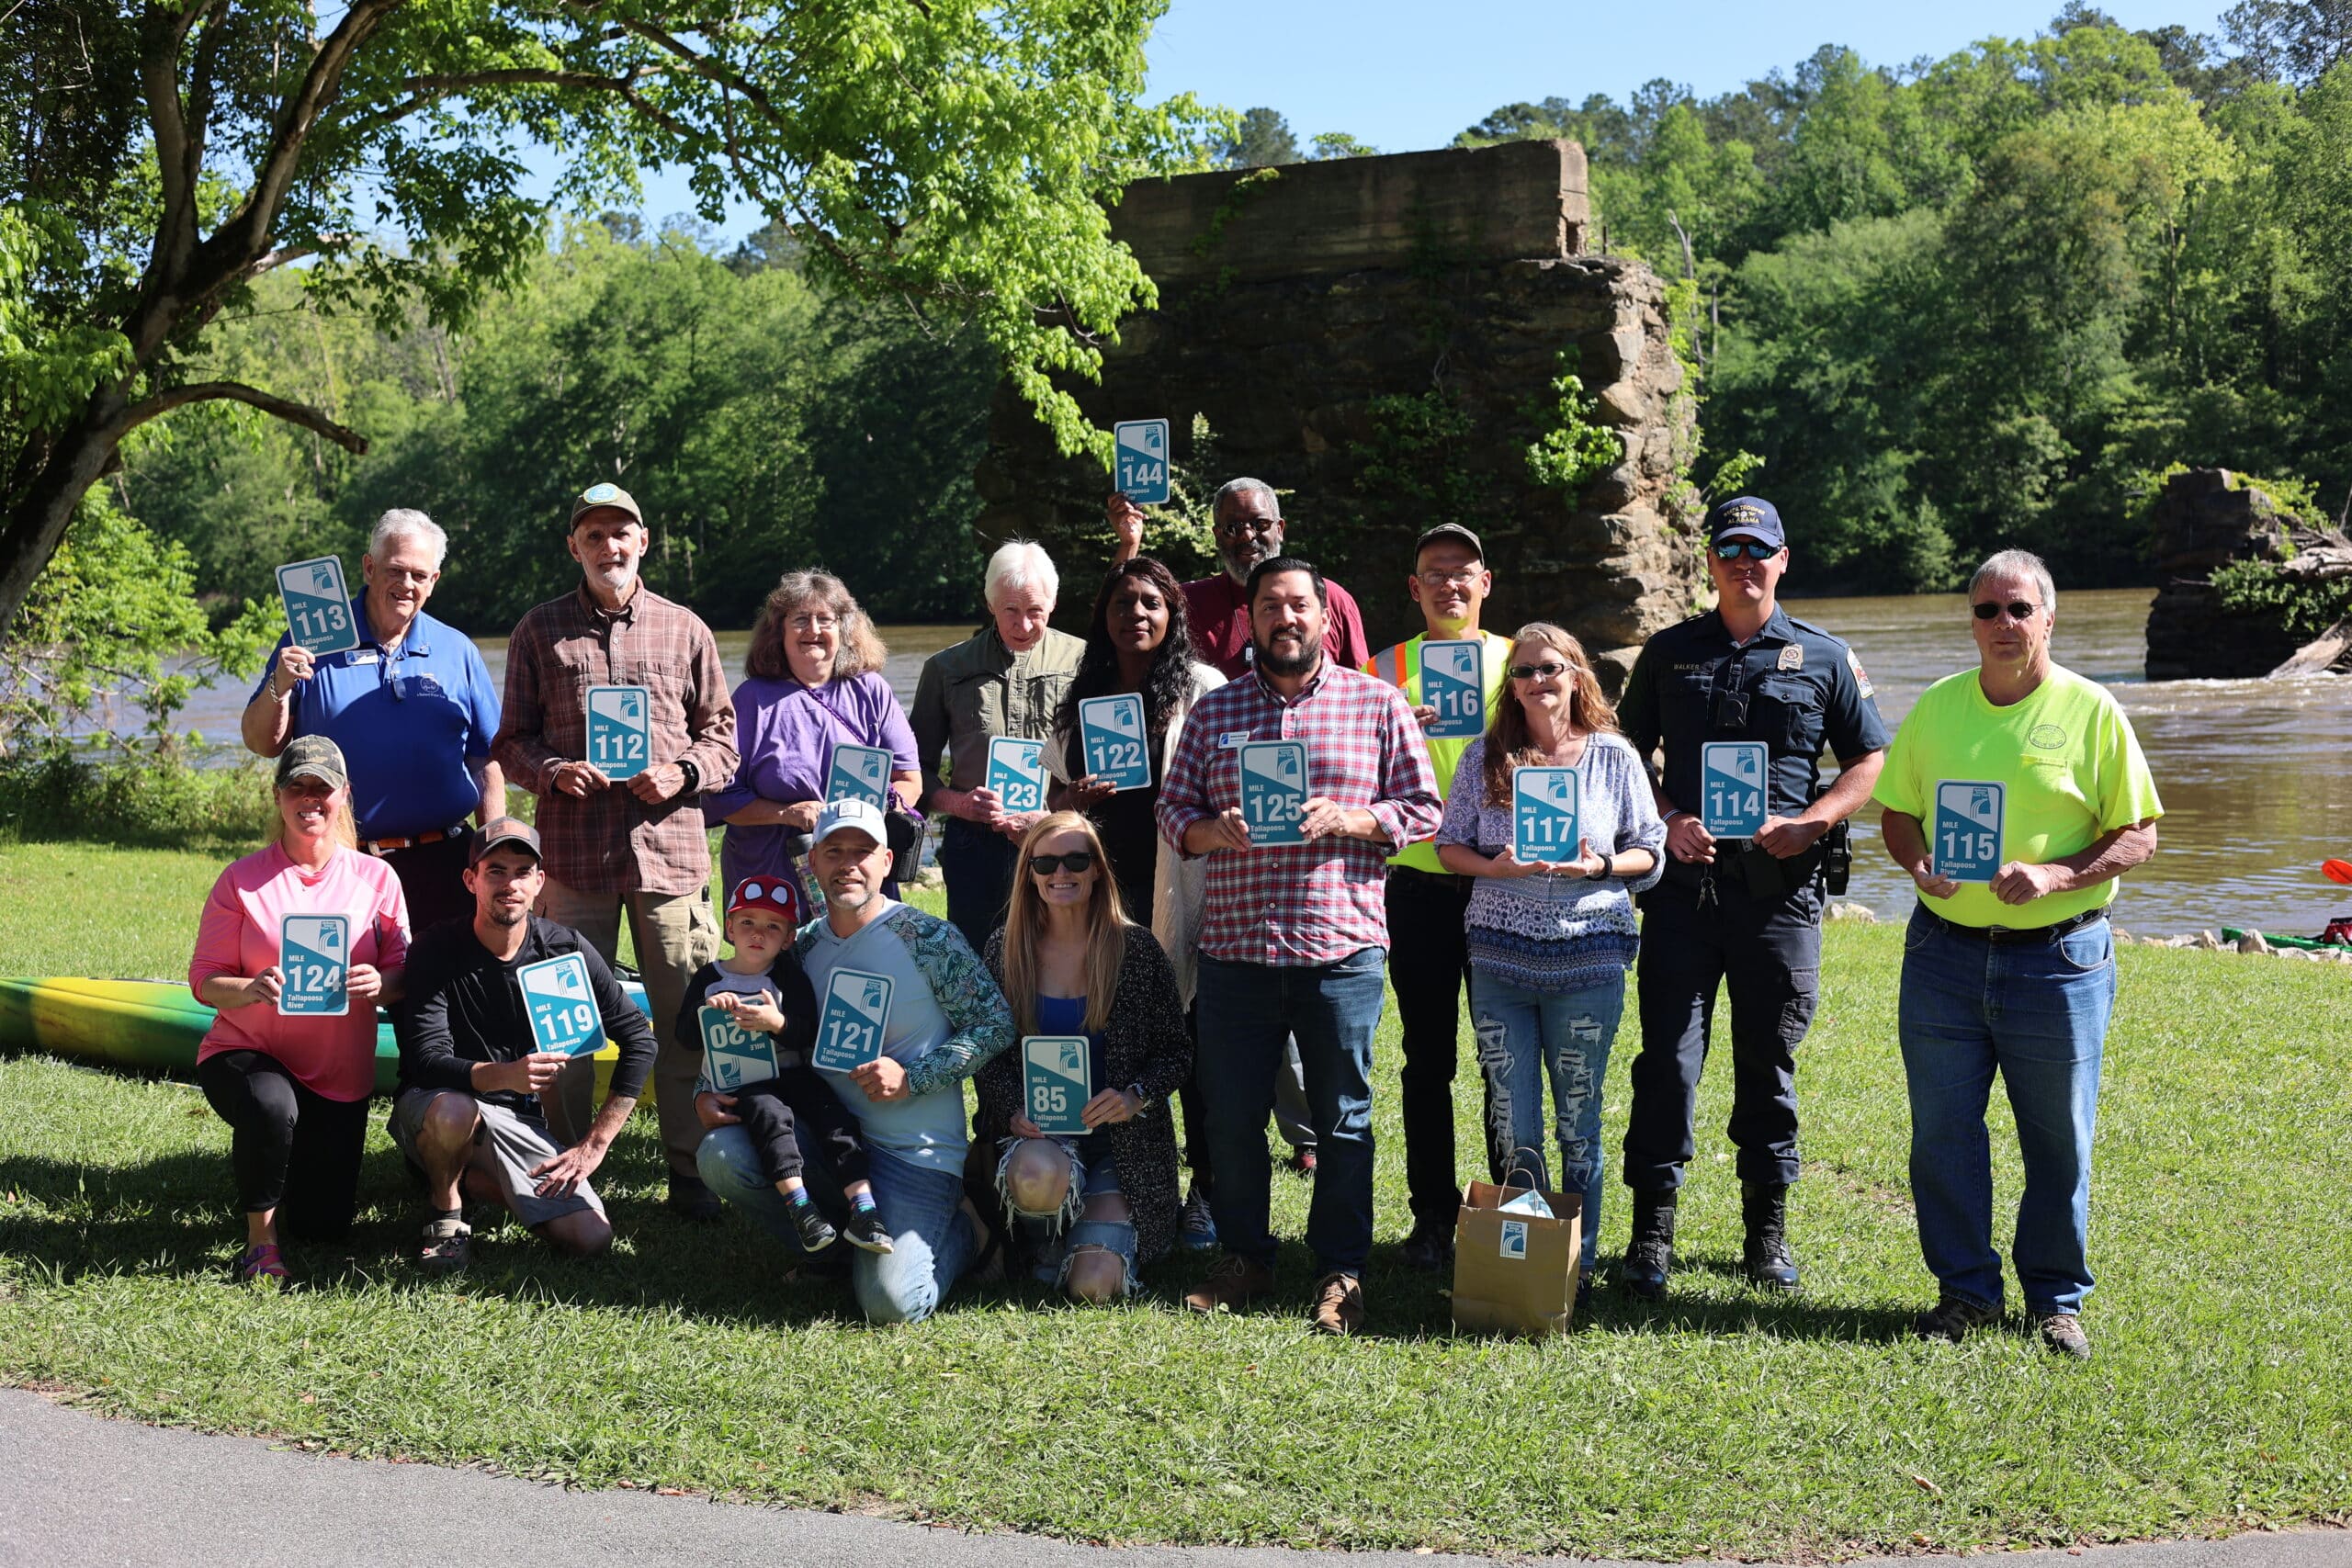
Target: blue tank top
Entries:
(1066, 1015)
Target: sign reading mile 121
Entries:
(1139, 457)
(318, 612)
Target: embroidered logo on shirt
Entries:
(2047, 736)
(1792, 657)
(1861, 676)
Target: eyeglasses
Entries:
(2017, 608)
(1076, 860)
(1242, 525)
(1754, 549)
(1547, 669)
(813, 623)
(1462, 579)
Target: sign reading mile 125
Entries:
(1139, 458)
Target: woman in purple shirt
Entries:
(813, 681)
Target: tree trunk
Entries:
(36, 519)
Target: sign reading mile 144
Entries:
(1139, 458)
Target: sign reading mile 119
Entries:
(1139, 458)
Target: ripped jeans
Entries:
(1523, 1035)
(1053, 1239)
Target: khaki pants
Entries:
(674, 937)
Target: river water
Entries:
(2256, 775)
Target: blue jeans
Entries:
(1522, 1036)
(931, 1238)
(1247, 1011)
(2036, 1012)
(978, 866)
(1053, 1240)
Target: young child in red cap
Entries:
(764, 990)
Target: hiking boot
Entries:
(1765, 1207)
(1649, 1255)
(866, 1231)
(690, 1200)
(1430, 1249)
(1339, 1304)
(449, 1246)
(2063, 1332)
(1198, 1229)
(262, 1261)
(1302, 1161)
(1230, 1285)
(808, 1222)
(1951, 1317)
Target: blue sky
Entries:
(1408, 76)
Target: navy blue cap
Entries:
(1748, 518)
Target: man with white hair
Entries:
(413, 710)
(1005, 681)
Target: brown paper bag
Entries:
(1516, 1273)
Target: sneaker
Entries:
(2063, 1332)
(1339, 1304)
(261, 1262)
(864, 1230)
(816, 1233)
(1198, 1231)
(1230, 1285)
(448, 1246)
(1951, 1317)
(1301, 1161)
(1430, 1249)
(690, 1200)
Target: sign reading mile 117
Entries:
(1139, 458)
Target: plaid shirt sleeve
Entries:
(1183, 793)
(710, 713)
(1407, 805)
(521, 748)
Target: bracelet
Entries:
(1607, 864)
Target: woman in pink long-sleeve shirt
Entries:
(293, 1087)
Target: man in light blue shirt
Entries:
(944, 1018)
(413, 709)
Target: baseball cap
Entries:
(312, 757)
(501, 830)
(862, 815)
(598, 495)
(775, 894)
(1448, 531)
(1746, 517)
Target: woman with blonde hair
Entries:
(1093, 1209)
(813, 682)
(293, 1085)
(1550, 941)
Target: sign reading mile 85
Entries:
(1140, 448)
(1543, 802)
(1967, 844)
(620, 731)
(318, 612)
(1057, 1083)
(1113, 729)
(312, 953)
(562, 1007)
(1017, 773)
(1453, 682)
(1273, 791)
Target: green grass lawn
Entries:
(1729, 1422)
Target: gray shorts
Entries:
(507, 1146)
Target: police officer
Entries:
(1741, 911)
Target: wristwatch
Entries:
(693, 777)
(1143, 1101)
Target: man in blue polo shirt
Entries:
(413, 709)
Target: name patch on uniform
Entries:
(1792, 657)
(363, 656)
(1230, 738)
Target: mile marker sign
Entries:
(1139, 457)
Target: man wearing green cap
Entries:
(635, 844)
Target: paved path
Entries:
(82, 1489)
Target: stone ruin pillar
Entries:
(1378, 338)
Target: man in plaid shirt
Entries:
(1294, 937)
(636, 844)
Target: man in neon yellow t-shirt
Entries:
(1426, 902)
(2015, 794)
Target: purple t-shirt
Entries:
(786, 732)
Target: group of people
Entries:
(1220, 972)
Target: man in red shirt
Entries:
(1248, 527)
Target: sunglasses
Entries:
(1548, 669)
(1733, 549)
(1076, 860)
(2017, 608)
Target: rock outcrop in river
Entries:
(2209, 518)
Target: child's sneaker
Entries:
(817, 1232)
(866, 1230)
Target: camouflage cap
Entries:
(312, 757)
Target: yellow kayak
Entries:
(155, 1026)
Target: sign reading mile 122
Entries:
(1139, 458)
(1113, 730)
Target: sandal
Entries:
(449, 1246)
(261, 1262)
